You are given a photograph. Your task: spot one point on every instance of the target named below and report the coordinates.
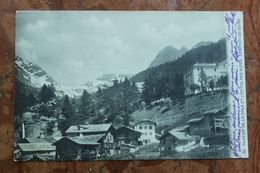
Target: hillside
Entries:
(175, 113)
(215, 52)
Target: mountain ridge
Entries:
(167, 54)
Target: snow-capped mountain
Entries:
(32, 74)
(104, 81)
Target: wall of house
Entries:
(127, 137)
(108, 142)
(212, 71)
(167, 144)
(205, 127)
(148, 132)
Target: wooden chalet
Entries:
(172, 139)
(88, 141)
(26, 151)
(210, 123)
(78, 148)
(127, 135)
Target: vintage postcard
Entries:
(121, 85)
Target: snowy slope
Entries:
(31, 74)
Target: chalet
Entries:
(127, 135)
(210, 123)
(78, 148)
(173, 139)
(147, 127)
(26, 151)
(82, 142)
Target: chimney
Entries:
(81, 136)
(23, 130)
(42, 135)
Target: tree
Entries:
(148, 90)
(67, 109)
(194, 87)
(68, 113)
(46, 93)
(45, 112)
(86, 106)
(222, 82)
(31, 100)
(49, 128)
(202, 79)
(212, 85)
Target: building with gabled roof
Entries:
(26, 151)
(78, 148)
(147, 127)
(98, 139)
(127, 135)
(209, 123)
(172, 139)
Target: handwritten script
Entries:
(233, 34)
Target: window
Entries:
(140, 127)
(151, 127)
(145, 127)
(215, 69)
(151, 133)
(198, 69)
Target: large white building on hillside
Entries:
(147, 127)
(212, 71)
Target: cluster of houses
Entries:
(201, 129)
(87, 142)
(100, 141)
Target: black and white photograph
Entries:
(121, 85)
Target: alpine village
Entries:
(176, 108)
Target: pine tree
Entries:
(148, 90)
(31, 100)
(67, 109)
(47, 93)
(86, 106)
(202, 79)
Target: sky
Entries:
(76, 47)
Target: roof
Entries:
(42, 140)
(35, 140)
(128, 145)
(145, 120)
(204, 64)
(36, 147)
(214, 111)
(195, 120)
(128, 128)
(89, 128)
(181, 128)
(85, 140)
(181, 135)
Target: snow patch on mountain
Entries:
(32, 74)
